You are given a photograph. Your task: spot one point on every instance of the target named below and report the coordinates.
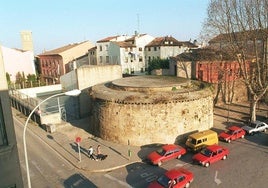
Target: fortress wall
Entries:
(142, 124)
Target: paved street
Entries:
(54, 163)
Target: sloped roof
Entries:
(164, 41)
(124, 44)
(62, 49)
(108, 39)
(188, 44)
(202, 54)
(134, 36)
(249, 35)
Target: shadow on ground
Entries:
(78, 181)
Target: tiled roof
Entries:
(134, 36)
(124, 44)
(108, 39)
(259, 34)
(188, 44)
(164, 41)
(202, 54)
(62, 49)
(93, 48)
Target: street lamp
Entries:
(74, 92)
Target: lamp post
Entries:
(74, 92)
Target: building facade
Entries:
(17, 62)
(165, 47)
(103, 48)
(27, 41)
(57, 62)
(10, 173)
(127, 51)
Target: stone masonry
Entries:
(150, 109)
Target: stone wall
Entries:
(142, 123)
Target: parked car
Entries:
(197, 141)
(165, 153)
(210, 154)
(175, 178)
(255, 127)
(233, 133)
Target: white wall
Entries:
(17, 61)
(37, 91)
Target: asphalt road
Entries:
(47, 168)
(246, 166)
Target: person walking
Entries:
(98, 152)
(91, 153)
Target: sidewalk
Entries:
(63, 140)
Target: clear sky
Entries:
(55, 23)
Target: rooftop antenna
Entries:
(138, 22)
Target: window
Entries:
(149, 48)
(140, 59)
(181, 178)
(107, 59)
(106, 47)
(155, 48)
(140, 49)
(3, 135)
(100, 48)
(100, 59)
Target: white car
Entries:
(255, 127)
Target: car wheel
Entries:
(224, 157)
(187, 185)
(242, 136)
(229, 141)
(207, 164)
(159, 163)
(179, 156)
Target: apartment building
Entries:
(58, 62)
(103, 49)
(165, 47)
(127, 51)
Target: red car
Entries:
(165, 153)
(176, 178)
(211, 154)
(233, 133)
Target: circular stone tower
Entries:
(144, 110)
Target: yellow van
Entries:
(199, 140)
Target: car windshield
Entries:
(161, 152)
(163, 180)
(192, 140)
(206, 152)
(230, 132)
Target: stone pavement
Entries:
(63, 140)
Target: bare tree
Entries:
(241, 29)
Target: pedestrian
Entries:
(91, 153)
(98, 152)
